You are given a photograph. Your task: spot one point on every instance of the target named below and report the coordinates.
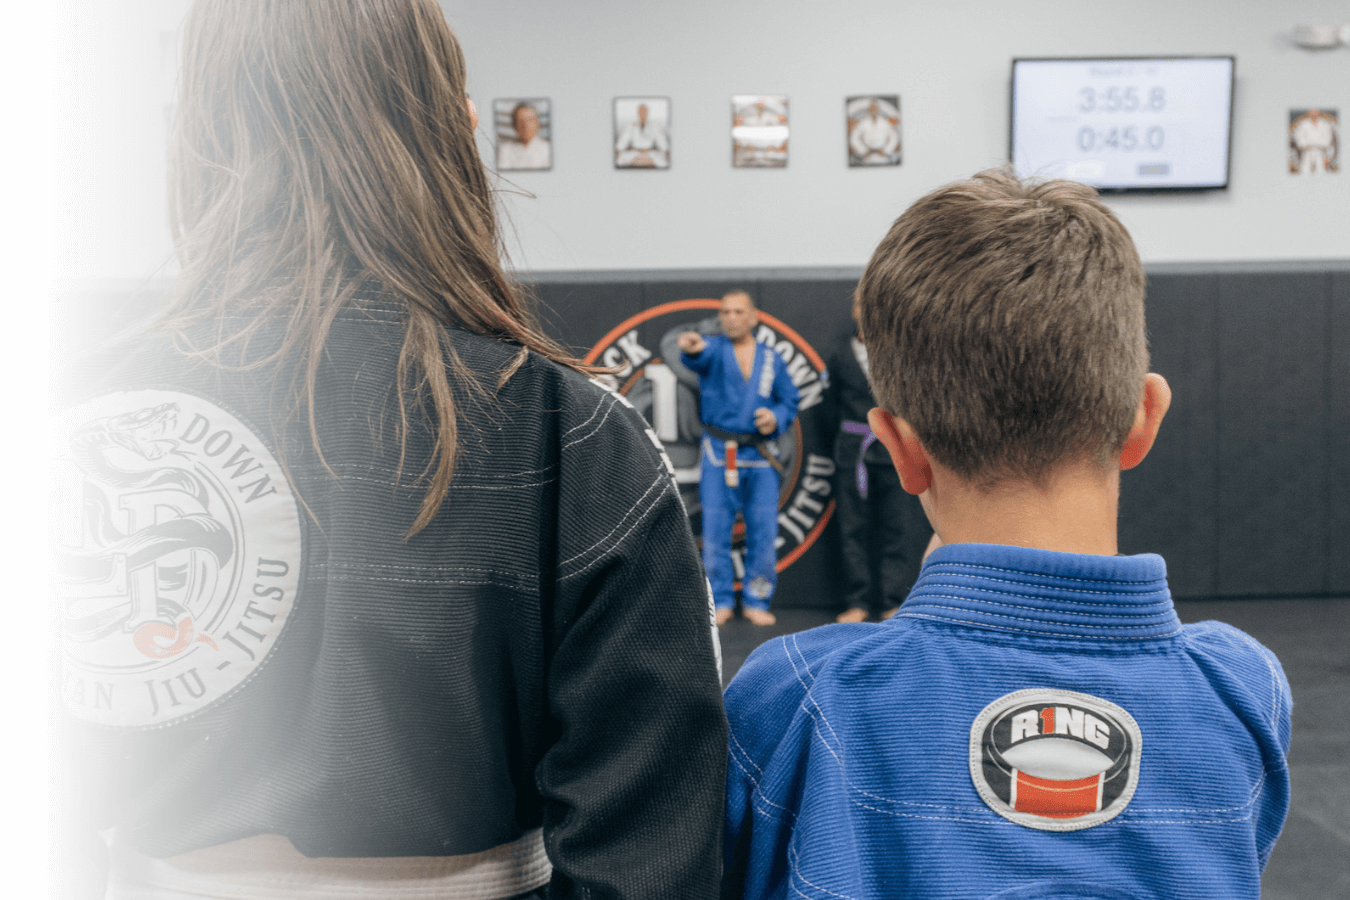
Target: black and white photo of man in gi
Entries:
(1314, 145)
(873, 130)
(642, 140)
(523, 135)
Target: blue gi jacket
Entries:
(865, 760)
(727, 400)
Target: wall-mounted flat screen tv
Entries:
(1124, 124)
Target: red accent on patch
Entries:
(149, 636)
(1054, 799)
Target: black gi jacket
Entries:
(540, 654)
(851, 399)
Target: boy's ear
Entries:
(899, 439)
(1148, 417)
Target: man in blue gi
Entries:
(746, 400)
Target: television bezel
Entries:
(1134, 189)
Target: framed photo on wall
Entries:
(523, 128)
(1314, 141)
(759, 131)
(873, 130)
(642, 132)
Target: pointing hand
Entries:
(691, 342)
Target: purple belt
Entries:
(868, 440)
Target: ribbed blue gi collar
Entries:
(1041, 592)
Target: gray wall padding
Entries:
(1247, 491)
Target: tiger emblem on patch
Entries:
(178, 555)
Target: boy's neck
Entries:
(1073, 512)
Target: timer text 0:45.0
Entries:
(1123, 139)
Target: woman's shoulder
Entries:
(580, 402)
(502, 388)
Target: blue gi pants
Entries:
(757, 500)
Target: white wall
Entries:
(949, 62)
(112, 86)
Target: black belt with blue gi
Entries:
(733, 439)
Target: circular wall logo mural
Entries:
(642, 350)
(178, 555)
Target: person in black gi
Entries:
(883, 530)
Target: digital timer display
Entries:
(1124, 124)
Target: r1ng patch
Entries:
(1055, 760)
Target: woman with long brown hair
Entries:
(368, 588)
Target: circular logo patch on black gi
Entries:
(178, 554)
(643, 349)
(1055, 760)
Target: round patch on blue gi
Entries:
(1055, 760)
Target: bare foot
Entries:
(852, 615)
(724, 614)
(890, 612)
(759, 616)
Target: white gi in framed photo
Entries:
(873, 130)
(1314, 141)
(523, 128)
(759, 131)
(642, 132)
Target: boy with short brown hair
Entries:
(1035, 721)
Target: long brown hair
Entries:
(321, 145)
